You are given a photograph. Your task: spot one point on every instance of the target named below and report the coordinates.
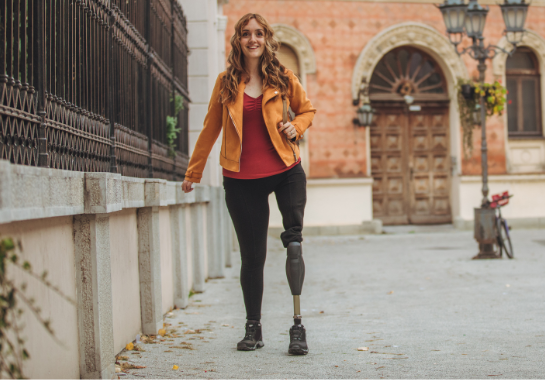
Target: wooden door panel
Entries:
(428, 157)
(388, 167)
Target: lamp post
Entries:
(470, 19)
(365, 112)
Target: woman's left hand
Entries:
(288, 129)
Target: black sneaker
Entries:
(253, 338)
(298, 340)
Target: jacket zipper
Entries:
(239, 136)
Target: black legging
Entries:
(248, 204)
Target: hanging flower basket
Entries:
(469, 98)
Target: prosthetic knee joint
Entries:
(295, 271)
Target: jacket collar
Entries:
(236, 109)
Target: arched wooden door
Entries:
(410, 158)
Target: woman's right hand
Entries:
(186, 186)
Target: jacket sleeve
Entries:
(211, 129)
(301, 106)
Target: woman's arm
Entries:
(300, 104)
(208, 136)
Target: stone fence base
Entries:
(128, 250)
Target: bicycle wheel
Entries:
(504, 240)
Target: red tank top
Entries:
(258, 158)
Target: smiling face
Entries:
(252, 40)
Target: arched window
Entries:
(523, 98)
(407, 71)
(288, 58)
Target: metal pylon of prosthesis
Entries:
(295, 271)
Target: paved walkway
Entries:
(414, 297)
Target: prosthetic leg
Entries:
(295, 271)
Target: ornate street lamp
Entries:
(365, 115)
(475, 19)
(514, 15)
(454, 15)
(365, 112)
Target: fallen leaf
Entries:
(117, 368)
(168, 351)
(174, 366)
(321, 312)
(129, 346)
(126, 365)
(363, 348)
(225, 325)
(392, 292)
(188, 347)
(162, 332)
(122, 357)
(139, 348)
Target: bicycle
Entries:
(502, 229)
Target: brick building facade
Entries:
(409, 166)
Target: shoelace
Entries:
(296, 334)
(250, 332)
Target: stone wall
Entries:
(126, 249)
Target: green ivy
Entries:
(12, 350)
(172, 123)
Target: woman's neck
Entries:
(252, 68)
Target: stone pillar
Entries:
(149, 255)
(179, 254)
(95, 308)
(216, 256)
(199, 239)
(102, 195)
(226, 230)
(149, 262)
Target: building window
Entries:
(524, 94)
(289, 59)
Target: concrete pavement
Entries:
(414, 297)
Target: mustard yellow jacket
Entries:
(229, 118)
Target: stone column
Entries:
(179, 253)
(149, 262)
(216, 256)
(226, 230)
(102, 194)
(95, 308)
(199, 236)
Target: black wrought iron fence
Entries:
(87, 85)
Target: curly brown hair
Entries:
(272, 71)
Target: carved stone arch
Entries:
(412, 34)
(438, 47)
(290, 36)
(531, 40)
(296, 40)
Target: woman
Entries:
(259, 155)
